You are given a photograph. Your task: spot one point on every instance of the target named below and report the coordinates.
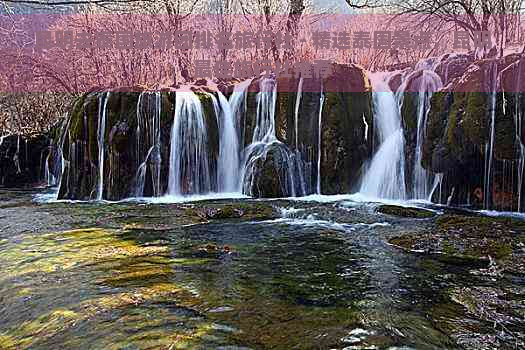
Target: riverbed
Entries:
(250, 274)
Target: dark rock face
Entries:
(459, 129)
(22, 160)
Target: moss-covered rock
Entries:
(470, 237)
(122, 152)
(405, 212)
(346, 125)
(458, 131)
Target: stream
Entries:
(277, 274)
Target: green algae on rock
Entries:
(407, 212)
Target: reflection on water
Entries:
(314, 279)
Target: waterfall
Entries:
(430, 83)
(238, 106)
(60, 161)
(263, 135)
(298, 161)
(228, 162)
(489, 147)
(148, 142)
(103, 101)
(385, 177)
(265, 122)
(189, 170)
(264, 140)
(48, 175)
(296, 116)
(319, 139)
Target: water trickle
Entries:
(438, 183)
(102, 109)
(296, 115)
(518, 125)
(58, 153)
(148, 141)
(319, 139)
(49, 178)
(385, 175)
(189, 171)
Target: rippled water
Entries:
(127, 276)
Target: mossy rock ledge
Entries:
(458, 129)
(471, 238)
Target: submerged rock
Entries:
(470, 237)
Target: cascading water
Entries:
(148, 141)
(237, 102)
(296, 115)
(385, 175)
(298, 159)
(48, 175)
(430, 82)
(264, 140)
(265, 123)
(319, 139)
(102, 109)
(263, 135)
(228, 162)
(189, 171)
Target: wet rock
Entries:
(226, 212)
(269, 174)
(213, 250)
(405, 211)
(499, 309)
(459, 126)
(346, 131)
(22, 160)
(242, 210)
(469, 237)
(452, 66)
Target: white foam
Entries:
(190, 198)
(495, 213)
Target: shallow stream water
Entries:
(155, 276)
